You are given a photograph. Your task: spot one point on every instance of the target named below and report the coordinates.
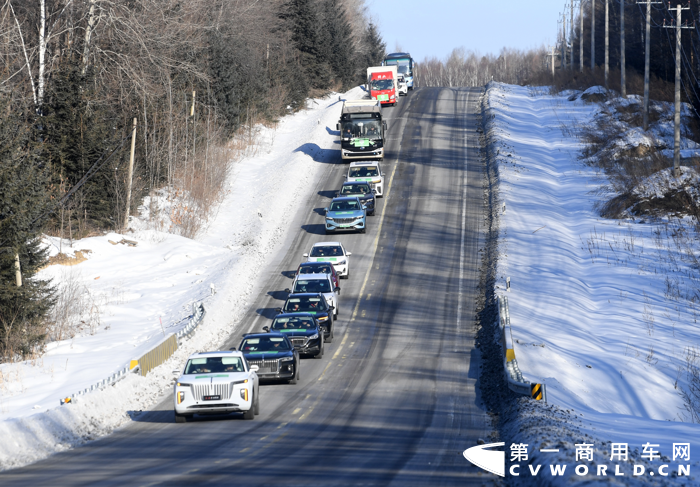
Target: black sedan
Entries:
(303, 331)
(315, 304)
(274, 355)
(363, 191)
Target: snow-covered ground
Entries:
(133, 296)
(592, 302)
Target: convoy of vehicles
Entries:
(214, 383)
(383, 84)
(362, 130)
(404, 62)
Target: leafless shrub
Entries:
(64, 319)
(691, 392)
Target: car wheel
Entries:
(319, 354)
(328, 232)
(294, 379)
(363, 230)
(249, 414)
(180, 418)
(257, 405)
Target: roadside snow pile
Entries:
(129, 297)
(663, 183)
(604, 312)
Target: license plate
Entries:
(212, 398)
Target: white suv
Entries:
(317, 283)
(332, 252)
(216, 383)
(367, 171)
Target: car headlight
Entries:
(286, 359)
(240, 382)
(322, 318)
(180, 397)
(329, 218)
(341, 262)
(244, 394)
(182, 384)
(313, 337)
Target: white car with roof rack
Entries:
(216, 383)
(332, 252)
(367, 171)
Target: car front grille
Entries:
(223, 390)
(344, 220)
(266, 366)
(298, 342)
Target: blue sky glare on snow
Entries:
(435, 27)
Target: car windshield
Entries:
(369, 129)
(286, 324)
(403, 69)
(327, 251)
(382, 84)
(344, 206)
(363, 171)
(355, 189)
(209, 365)
(312, 286)
(265, 344)
(305, 303)
(313, 268)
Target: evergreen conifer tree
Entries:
(23, 200)
(375, 47)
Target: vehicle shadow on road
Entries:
(268, 313)
(326, 156)
(320, 211)
(315, 229)
(278, 295)
(289, 274)
(333, 132)
(328, 194)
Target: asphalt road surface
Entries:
(395, 399)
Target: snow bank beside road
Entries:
(588, 301)
(158, 280)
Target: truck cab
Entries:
(362, 130)
(383, 84)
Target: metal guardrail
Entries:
(513, 376)
(151, 359)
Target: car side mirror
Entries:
(382, 174)
(288, 291)
(176, 373)
(374, 191)
(254, 368)
(364, 207)
(348, 254)
(326, 209)
(279, 310)
(337, 126)
(337, 289)
(266, 328)
(306, 255)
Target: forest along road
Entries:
(394, 401)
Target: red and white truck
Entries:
(383, 84)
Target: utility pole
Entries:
(580, 36)
(592, 34)
(623, 87)
(571, 37)
(607, 45)
(552, 55)
(563, 42)
(130, 177)
(677, 104)
(648, 3)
